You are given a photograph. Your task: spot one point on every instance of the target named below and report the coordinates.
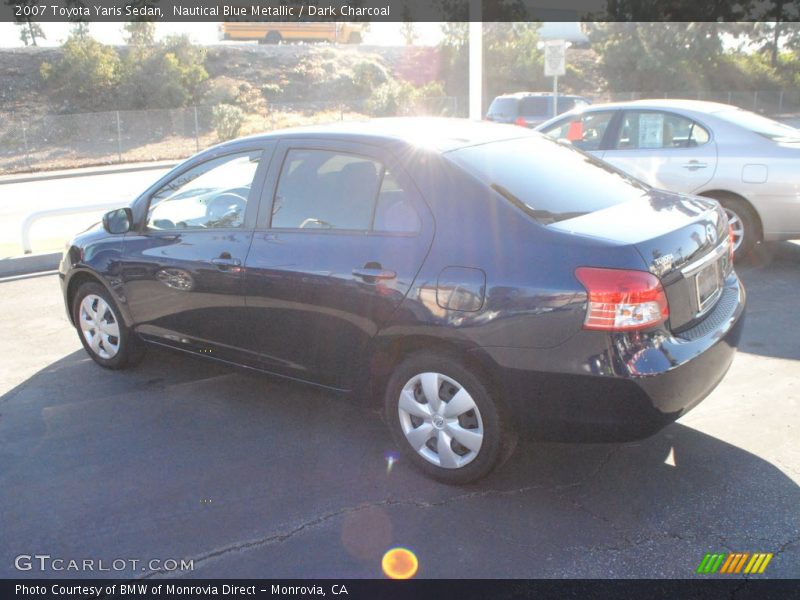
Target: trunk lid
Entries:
(683, 241)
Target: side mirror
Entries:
(118, 221)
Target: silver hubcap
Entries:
(737, 228)
(99, 326)
(440, 420)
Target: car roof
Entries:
(435, 133)
(535, 94)
(702, 106)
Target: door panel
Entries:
(182, 272)
(667, 151)
(317, 292)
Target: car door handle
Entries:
(226, 262)
(373, 274)
(693, 165)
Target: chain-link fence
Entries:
(774, 103)
(72, 140)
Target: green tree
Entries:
(168, 74)
(140, 33)
(29, 30)
(87, 74)
(657, 57)
(512, 60)
(80, 29)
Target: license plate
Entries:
(709, 284)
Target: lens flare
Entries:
(399, 563)
(391, 458)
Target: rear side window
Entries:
(657, 130)
(565, 104)
(548, 180)
(321, 189)
(534, 105)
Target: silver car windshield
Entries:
(777, 132)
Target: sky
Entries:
(382, 34)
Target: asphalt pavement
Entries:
(249, 476)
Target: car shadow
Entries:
(771, 275)
(181, 457)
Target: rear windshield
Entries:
(777, 132)
(503, 107)
(548, 180)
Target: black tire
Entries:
(487, 420)
(751, 231)
(129, 348)
(273, 37)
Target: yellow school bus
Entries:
(273, 33)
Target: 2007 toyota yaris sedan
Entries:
(477, 279)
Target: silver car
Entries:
(749, 163)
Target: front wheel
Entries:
(103, 333)
(444, 419)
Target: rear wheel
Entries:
(744, 224)
(443, 418)
(103, 333)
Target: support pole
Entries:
(555, 95)
(475, 60)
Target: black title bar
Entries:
(394, 10)
(370, 589)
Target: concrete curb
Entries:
(32, 263)
(86, 172)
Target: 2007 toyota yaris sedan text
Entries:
(477, 279)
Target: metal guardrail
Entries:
(30, 219)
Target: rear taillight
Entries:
(622, 300)
(521, 122)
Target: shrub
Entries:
(396, 97)
(164, 75)
(86, 75)
(227, 120)
(271, 91)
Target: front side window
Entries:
(322, 189)
(643, 130)
(584, 131)
(211, 195)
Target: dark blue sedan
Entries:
(479, 280)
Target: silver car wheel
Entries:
(440, 420)
(99, 326)
(737, 228)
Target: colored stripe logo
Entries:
(734, 562)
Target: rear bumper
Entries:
(623, 386)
